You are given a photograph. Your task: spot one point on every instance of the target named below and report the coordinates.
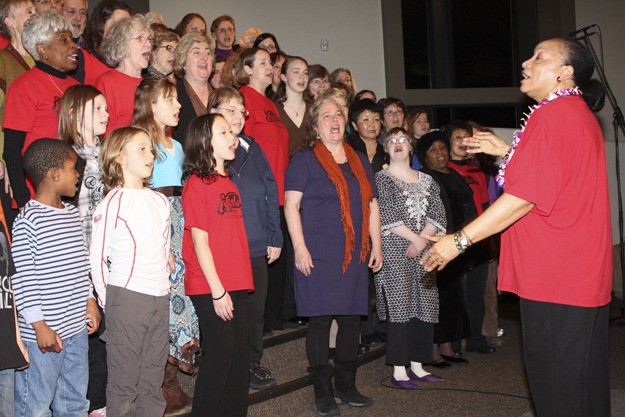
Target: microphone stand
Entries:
(617, 122)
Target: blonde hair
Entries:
(112, 173)
(184, 46)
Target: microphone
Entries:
(582, 30)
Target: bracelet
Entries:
(220, 297)
(457, 242)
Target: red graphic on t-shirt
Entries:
(228, 203)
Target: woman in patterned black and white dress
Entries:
(406, 295)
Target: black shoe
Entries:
(363, 349)
(456, 359)
(260, 378)
(370, 339)
(327, 407)
(485, 349)
(440, 364)
(352, 397)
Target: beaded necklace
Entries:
(575, 91)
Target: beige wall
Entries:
(352, 27)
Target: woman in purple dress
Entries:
(333, 218)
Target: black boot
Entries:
(325, 405)
(345, 391)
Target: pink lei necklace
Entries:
(575, 91)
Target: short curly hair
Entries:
(41, 29)
(184, 46)
(114, 46)
(43, 155)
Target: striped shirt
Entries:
(51, 282)
(130, 242)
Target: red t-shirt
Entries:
(216, 209)
(119, 90)
(561, 251)
(265, 126)
(32, 104)
(476, 179)
(93, 68)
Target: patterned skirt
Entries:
(183, 322)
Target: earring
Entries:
(559, 79)
(250, 76)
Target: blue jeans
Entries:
(54, 383)
(7, 378)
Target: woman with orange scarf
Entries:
(333, 217)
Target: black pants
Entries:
(277, 284)
(222, 384)
(474, 289)
(98, 374)
(257, 307)
(318, 335)
(408, 342)
(566, 357)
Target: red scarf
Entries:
(342, 190)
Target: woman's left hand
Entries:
(440, 254)
(375, 260)
(273, 253)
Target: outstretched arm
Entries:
(503, 213)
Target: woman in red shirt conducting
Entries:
(556, 250)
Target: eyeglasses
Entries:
(170, 48)
(392, 113)
(318, 81)
(145, 39)
(235, 112)
(401, 139)
(225, 30)
(71, 12)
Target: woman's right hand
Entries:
(303, 261)
(224, 307)
(487, 143)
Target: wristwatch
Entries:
(464, 241)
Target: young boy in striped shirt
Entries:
(53, 293)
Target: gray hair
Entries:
(114, 46)
(41, 29)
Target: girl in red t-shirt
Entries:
(218, 270)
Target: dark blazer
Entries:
(187, 113)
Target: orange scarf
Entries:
(342, 190)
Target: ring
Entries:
(439, 262)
